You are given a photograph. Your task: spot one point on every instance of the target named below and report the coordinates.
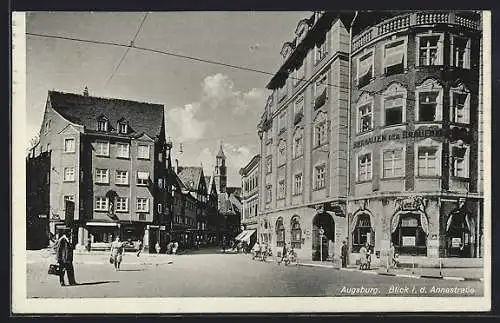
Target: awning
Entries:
(394, 59)
(245, 235)
(102, 224)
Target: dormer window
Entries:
(102, 124)
(123, 127)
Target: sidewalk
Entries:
(469, 274)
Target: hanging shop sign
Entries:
(454, 133)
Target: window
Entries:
(281, 189)
(142, 204)
(320, 52)
(319, 177)
(70, 198)
(298, 107)
(122, 177)
(142, 217)
(123, 127)
(282, 153)
(460, 107)
(460, 162)
(121, 204)
(143, 151)
(362, 232)
(365, 167)
(427, 161)
(269, 194)
(282, 122)
(298, 143)
(280, 232)
(69, 174)
(427, 105)
(394, 110)
(320, 96)
(101, 203)
(101, 176)
(160, 183)
(69, 145)
(365, 118)
(297, 186)
(365, 69)
(142, 178)
(393, 163)
(429, 50)
(460, 52)
(160, 208)
(160, 157)
(123, 150)
(102, 125)
(320, 129)
(102, 148)
(269, 164)
(394, 57)
(299, 75)
(296, 233)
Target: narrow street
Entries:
(205, 274)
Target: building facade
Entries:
(373, 134)
(250, 199)
(414, 145)
(303, 141)
(107, 168)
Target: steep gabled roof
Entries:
(221, 153)
(142, 118)
(191, 176)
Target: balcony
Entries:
(410, 20)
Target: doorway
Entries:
(320, 243)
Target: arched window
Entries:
(362, 233)
(409, 234)
(280, 232)
(296, 233)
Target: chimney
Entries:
(86, 91)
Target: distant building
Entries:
(250, 200)
(107, 168)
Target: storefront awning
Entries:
(102, 224)
(238, 237)
(246, 235)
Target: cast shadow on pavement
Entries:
(132, 269)
(98, 282)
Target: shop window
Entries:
(365, 118)
(394, 110)
(365, 167)
(280, 233)
(296, 233)
(409, 238)
(460, 162)
(458, 235)
(430, 49)
(427, 161)
(362, 232)
(394, 57)
(365, 69)
(319, 177)
(297, 184)
(393, 163)
(460, 52)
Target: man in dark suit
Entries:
(343, 254)
(64, 252)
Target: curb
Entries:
(393, 274)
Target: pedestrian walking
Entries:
(362, 257)
(174, 248)
(140, 247)
(117, 250)
(157, 247)
(89, 245)
(64, 251)
(343, 254)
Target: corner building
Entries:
(415, 162)
(303, 141)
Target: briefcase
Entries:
(54, 269)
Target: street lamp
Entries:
(321, 232)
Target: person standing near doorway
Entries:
(343, 254)
(64, 251)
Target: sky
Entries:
(205, 104)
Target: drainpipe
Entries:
(349, 127)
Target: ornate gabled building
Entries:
(107, 167)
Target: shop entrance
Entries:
(408, 235)
(459, 238)
(320, 242)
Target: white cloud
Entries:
(184, 122)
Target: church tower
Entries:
(220, 171)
